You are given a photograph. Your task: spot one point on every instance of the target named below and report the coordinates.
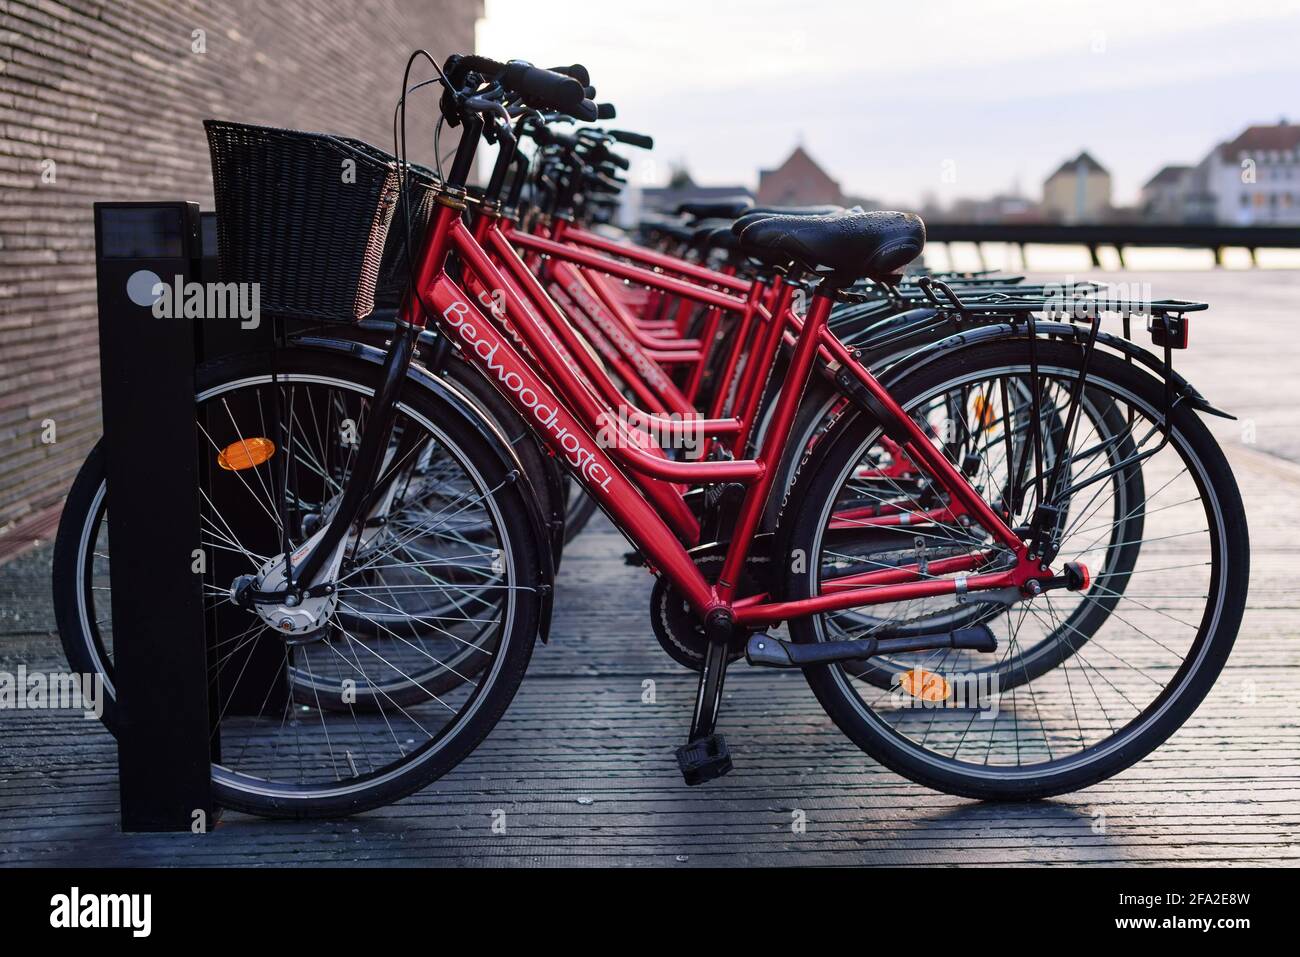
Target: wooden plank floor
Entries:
(584, 771)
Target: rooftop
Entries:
(1168, 176)
(1085, 160)
(1281, 136)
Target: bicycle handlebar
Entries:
(633, 139)
(570, 163)
(576, 70)
(539, 87)
(622, 162)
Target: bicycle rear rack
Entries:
(1077, 303)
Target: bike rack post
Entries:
(165, 740)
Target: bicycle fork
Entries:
(371, 456)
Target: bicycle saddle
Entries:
(727, 207)
(871, 245)
(673, 230)
(825, 210)
(707, 232)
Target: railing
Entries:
(1119, 235)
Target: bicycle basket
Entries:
(296, 217)
(395, 271)
(422, 185)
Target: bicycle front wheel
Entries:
(435, 605)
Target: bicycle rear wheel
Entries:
(1108, 696)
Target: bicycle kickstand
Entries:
(704, 756)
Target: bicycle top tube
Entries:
(564, 231)
(590, 300)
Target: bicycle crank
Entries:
(679, 630)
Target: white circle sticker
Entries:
(139, 288)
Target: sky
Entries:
(929, 98)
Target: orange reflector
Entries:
(984, 413)
(926, 685)
(245, 454)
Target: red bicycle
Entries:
(381, 567)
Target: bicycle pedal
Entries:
(704, 759)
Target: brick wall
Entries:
(104, 101)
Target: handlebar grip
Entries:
(605, 111)
(576, 70)
(599, 184)
(546, 136)
(544, 88)
(457, 69)
(622, 162)
(633, 139)
(473, 63)
(586, 111)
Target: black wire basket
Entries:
(304, 215)
(420, 184)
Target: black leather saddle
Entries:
(714, 234)
(727, 207)
(851, 245)
(824, 210)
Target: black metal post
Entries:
(165, 741)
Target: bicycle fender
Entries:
(458, 403)
(998, 331)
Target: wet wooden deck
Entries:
(584, 770)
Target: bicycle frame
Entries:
(638, 369)
(568, 422)
(583, 274)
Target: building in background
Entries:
(1255, 178)
(105, 101)
(1165, 196)
(1078, 192)
(1251, 180)
(681, 188)
(799, 181)
(1001, 208)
